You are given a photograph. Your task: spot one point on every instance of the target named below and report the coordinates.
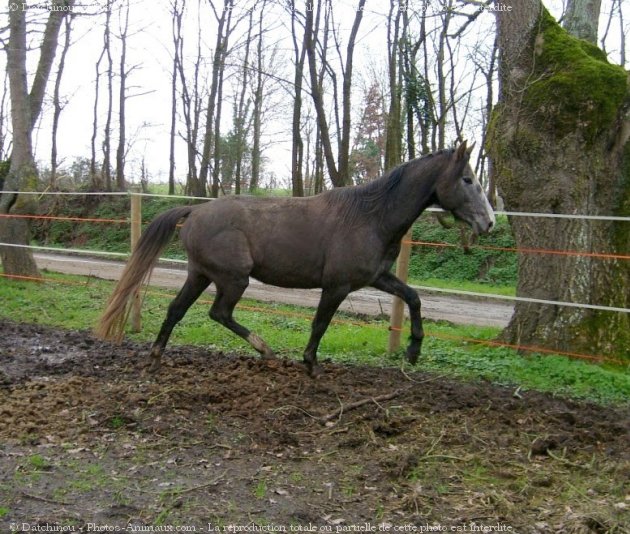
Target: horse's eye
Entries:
(468, 179)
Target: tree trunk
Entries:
(57, 106)
(177, 14)
(258, 103)
(107, 140)
(442, 104)
(339, 171)
(581, 19)
(122, 100)
(191, 106)
(216, 156)
(25, 110)
(346, 97)
(95, 177)
(242, 110)
(297, 146)
(393, 146)
(213, 112)
(559, 142)
(310, 40)
(484, 163)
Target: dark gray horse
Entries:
(340, 241)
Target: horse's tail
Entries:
(112, 323)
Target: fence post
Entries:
(398, 306)
(136, 229)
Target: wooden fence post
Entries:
(398, 306)
(136, 229)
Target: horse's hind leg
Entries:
(193, 287)
(328, 304)
(222, 309)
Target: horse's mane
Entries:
(377, 195)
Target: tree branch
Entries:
(46, 59)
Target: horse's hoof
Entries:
(268, 355)
(154, 367)
(314, 371)
(412, 357)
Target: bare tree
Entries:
(339, 171)
(211, 141)
(96, 177)
(417, 91)
(241, 110)
(219, 68)
(257, 112)
(123, 73)
(26, 107)
(177, 13)
(107, 134)
(57, 104)
(615, 8)
(297, 143)
(192, 97)
(484, 164)
(393, 146)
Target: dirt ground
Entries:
(227, 442)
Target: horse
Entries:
(340, 240)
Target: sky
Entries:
(150, 54)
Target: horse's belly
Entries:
(297, 276)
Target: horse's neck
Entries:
(413, 195)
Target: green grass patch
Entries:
(76, 303)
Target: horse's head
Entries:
(459, 192)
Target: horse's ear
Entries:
(470, 148)
(460, 153)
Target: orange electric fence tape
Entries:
(59, 218)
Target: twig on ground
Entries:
(213, 482)
(357, 404)
(44, 499)
(293, 407)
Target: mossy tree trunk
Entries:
(559, 142)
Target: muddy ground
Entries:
(89, 441)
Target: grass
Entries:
(260, 490)
(76, 302)
(38, 462)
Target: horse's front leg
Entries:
(390, 284)
(328, 303)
